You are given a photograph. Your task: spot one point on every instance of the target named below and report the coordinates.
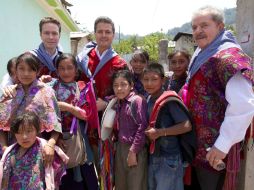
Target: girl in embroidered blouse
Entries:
(21, 166)
(138, 62)
(178, 63)
(31, 95)
(71, 96)
(131, 154)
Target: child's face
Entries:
(121, 87)
(66, 70)
(138, 66)
(25, 74)
(26, 136)
(13, 74)
(179, 64)
(152, 82)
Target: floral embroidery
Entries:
(40, 99)
(206, 96)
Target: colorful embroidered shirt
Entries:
(39, 99)
(23, 172)
(72, 93)
(206, 96)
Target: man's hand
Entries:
(215, 156)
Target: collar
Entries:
(55, 54)
(128, 98)
(98, 53)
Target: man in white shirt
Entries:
(220, 99)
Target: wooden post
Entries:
(163, 54)
(245, 37)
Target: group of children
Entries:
(133, 168)
(61, 110)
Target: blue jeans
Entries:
(165, 173)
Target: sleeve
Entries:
(141, 120)
(6, 81)
(231, 61)
(50, 114)
(239, 112)
(177, 113)
(119, 64)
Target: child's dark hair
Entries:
(140, 55)
(154, 67)
(29, 118)
(123, 73)
(184, 52)
(29, 58)
(11, 63)
(66, 56)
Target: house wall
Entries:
(245, 37)
(245, 25)
(19, 29)
(185, 42)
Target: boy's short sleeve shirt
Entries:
(170, 114)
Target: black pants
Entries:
(194, 181)
(209, 180)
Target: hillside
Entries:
(229, 14)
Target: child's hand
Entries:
(60, 143)
(45, 78)
(63, 106)
(101, 104)
(9, 91)
(152, 133)
(48, 154)
(132, 159)
(4, 148)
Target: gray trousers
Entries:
(130, 178)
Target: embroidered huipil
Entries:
(28, 172)
(67, 92)
(206, 96)
(40, 99)
(132, 121)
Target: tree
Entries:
(150, 44)
(124, 47)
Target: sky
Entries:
(141, 16)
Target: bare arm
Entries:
(177, 129)
(3, 139)
(49, 149)
(74, 110)
(9, 91)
